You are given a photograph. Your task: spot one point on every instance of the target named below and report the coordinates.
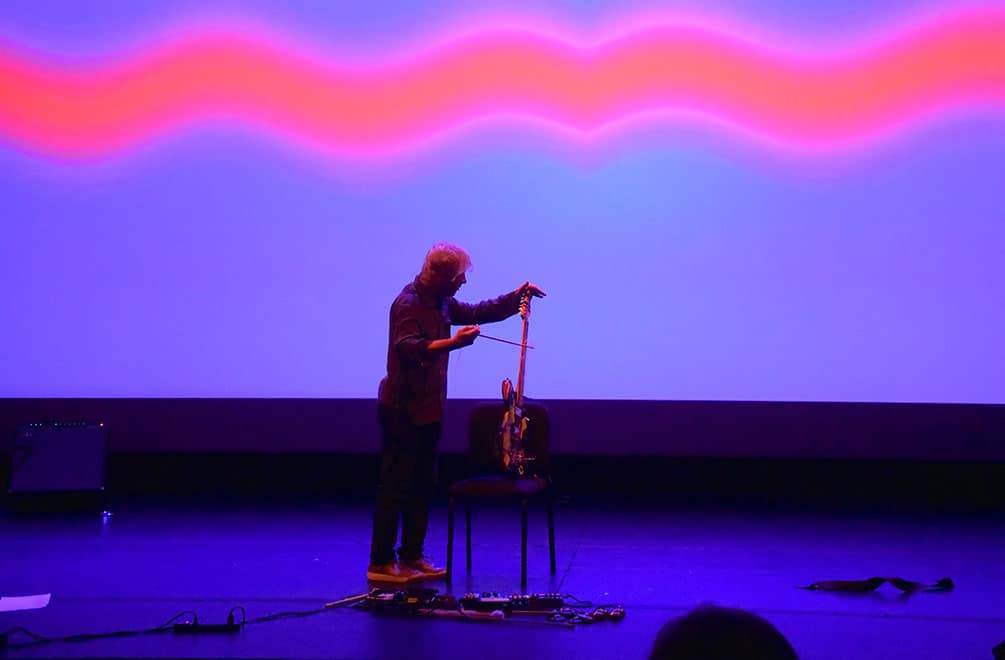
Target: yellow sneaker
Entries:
(425, 567)
(392, 572)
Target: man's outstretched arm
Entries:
(490, 311)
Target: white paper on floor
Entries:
(15, 603)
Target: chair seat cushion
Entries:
(499, 486)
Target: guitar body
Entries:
(512, 457)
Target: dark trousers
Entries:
(407, 481)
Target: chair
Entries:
(483, 427)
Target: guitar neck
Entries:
(523, 360)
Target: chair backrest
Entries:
(483, 431)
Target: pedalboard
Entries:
(487, 606)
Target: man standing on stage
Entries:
(411, 400)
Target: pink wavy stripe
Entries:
(674, 70)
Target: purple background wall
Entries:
(687, 258)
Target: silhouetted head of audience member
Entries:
(710, 632)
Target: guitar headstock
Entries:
(525, 305)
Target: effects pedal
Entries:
(488, 601)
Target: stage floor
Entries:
(154, 559)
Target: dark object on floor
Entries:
(873, 583)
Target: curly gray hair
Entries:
(444, 261)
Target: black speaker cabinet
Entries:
(58, 465)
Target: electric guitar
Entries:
(514, 424)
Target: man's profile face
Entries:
(456, 282)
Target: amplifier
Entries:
(58, 459)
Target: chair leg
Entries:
(467, 535)
(450, 538)
(551, 535)
(523, 542)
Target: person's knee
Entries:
(710, 632)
